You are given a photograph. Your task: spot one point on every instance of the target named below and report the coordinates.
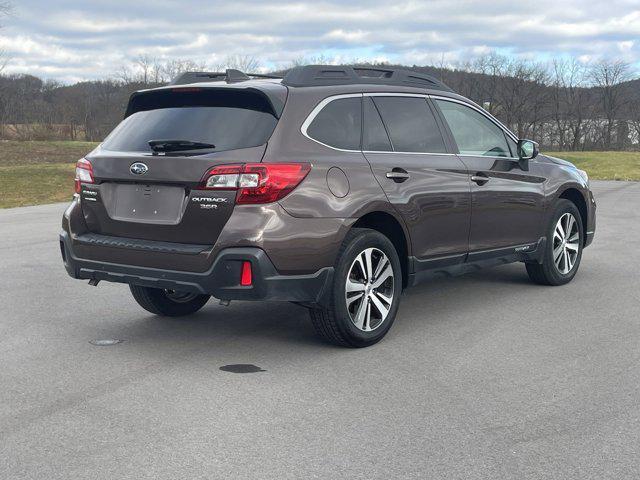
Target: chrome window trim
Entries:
(324, 102)
(409, 153)
(395, 94)
(316, 110)
(481, 111)
(314, 113)
(487, 156)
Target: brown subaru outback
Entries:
(333, 187)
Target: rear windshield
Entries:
(225, 118)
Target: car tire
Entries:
(364, 297)
(563, 251)
(168, 303)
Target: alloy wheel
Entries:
(566, 243)
(369, 289)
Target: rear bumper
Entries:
(222, 280)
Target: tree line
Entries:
(562, 104)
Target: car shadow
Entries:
(285, 324)
(240, 322)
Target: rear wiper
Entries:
(178, 145)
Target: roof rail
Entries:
(230, 76)
(321, 75)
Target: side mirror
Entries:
(527, 149)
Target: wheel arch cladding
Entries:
(389, 226)
(575, 197)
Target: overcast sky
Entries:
(71, 40)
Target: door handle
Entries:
(480, 178)
(398, 175)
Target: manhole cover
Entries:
(241, 368)
(105, 342)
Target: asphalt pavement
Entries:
(482, 376)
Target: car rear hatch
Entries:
(156, 194)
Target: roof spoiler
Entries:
(321, 75)
(229, 76)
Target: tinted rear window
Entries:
(338, 124)
(227, 119)
(411, 124)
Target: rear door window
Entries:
(339, 124)
(474, 133)
(225, 118)
(411, 124)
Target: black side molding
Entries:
(455, 265)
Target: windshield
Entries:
(227, 120)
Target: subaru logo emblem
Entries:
(138, 168)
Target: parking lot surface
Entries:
(482, 376)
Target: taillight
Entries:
(84, 173)
(256, 182)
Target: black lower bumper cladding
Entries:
(222, 280)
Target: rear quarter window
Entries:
(338, 124)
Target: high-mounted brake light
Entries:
(256, 182)
(84, 173)
(186, 89)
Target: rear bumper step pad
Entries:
(143, 245)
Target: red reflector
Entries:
(245, 276)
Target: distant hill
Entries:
(521, 95)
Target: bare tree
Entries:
(312, 60)
(244, 63)
(569, 102)
(485, 85)
(173, 68)
(565, 104)
(608, 76)
(633, 114)
(522, 96)
(125, 75)
(512, 89)
(145, 63)
(635, 120)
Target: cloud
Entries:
(73, 39)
